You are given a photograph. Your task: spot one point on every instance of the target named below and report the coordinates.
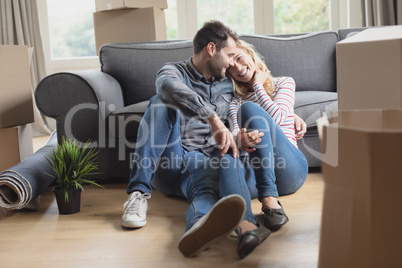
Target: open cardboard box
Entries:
(103, 5)
(362, 171)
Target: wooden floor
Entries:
(94, 237)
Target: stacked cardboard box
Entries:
(121, 21)
(16, 107)
(362, 155)
(362, 170)
(369, 69)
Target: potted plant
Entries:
(73, 165)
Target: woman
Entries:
(264, 104)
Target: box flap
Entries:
(375, 34)
(380, 119)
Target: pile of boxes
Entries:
(121, 21)
(16, 107)
(362, 155)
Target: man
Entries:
(187, 145)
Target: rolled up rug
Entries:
(22, 184)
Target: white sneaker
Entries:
(218, 223)
(135, 210)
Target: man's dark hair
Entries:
(215, 32)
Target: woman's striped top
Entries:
(280, 109)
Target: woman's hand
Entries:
(300, 127)
(260, 76)
(247, 141)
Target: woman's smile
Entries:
(244, 72)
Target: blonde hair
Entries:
(240, 89)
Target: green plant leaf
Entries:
(66, 196)
(73, 164)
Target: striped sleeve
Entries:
(282, 105)
(233, 108)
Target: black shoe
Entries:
(274, 218)
(248, 241)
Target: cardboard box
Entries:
(362, 212)
(16, 107)
(129, 25)
(15, 145)
(103, 5)
(369, 68)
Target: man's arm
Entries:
(171, 88)
(223, 136)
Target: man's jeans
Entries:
(280, 168)
(161, 160)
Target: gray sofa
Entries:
(106, 106)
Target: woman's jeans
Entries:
(161, 160)
(280, 168)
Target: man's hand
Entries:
(300, 127)
(223, 136)
(247, 141)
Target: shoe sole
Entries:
(128, 224)
(221, 220)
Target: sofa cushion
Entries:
(310, 147)
(310, 105)
(135, 65)
(309, 59)
(138, 108)
(124, 122)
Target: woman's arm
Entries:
(244, 140)
(233, 109)
(300, 127)
(282, 105)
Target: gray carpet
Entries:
(22, 184)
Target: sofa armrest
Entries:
(80, 102)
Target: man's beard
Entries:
(217, 70)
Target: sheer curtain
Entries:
(382, 12)
(19, 25)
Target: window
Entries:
(295, 16)
(71, 29)
(68, 34)
(237, 14)
(171, 20)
